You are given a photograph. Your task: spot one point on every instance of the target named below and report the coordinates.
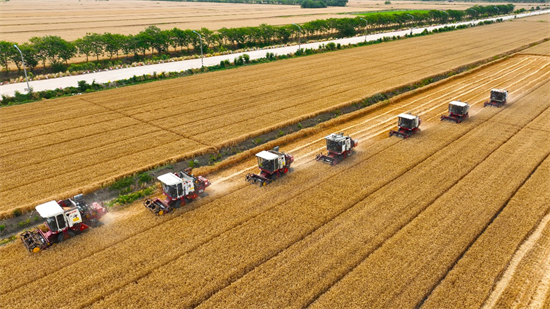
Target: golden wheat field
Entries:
(57, 148)
(401, 223)
(23, 19)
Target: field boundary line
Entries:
(487, 62)
(172, 259)
(526, 246)
(144, 121)
(541, 292)
(525, 127)
(358, 201)
(384, 104)
(389, 237)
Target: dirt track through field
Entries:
(241, 232)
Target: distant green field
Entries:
(390, 12)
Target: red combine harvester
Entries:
(407, 125)
(273, 164)
(178, 188)
(458, 111)
(498, 98)
(64, 219)
(339, 147)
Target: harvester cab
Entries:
(339, 147)
(179, 188)
(498, 98)
(273, 164)
(458, 111)
(407, 125)
(64, 219)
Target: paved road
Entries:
(106, 76)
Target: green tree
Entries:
(84, 47)
(95, 44)
(6, 53)
(28, 55)
(154, 38)
(180, 38)
(40, 49)
(113, 43)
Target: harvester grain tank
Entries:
(64, 219)
(458, 111)
(407, 125)
(339, 147)
(178, 188)
(498, 98)
(273, 164)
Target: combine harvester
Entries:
(178, 188)
(458, 111)
(339, 147)
(498, 98)
(64, 219)
(273, 164)
(408, 125)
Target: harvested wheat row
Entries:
(409, 265)
(317, 262)
(202, 272)
(146, 244)
(471, 280)
(530, 281)
(297, 88)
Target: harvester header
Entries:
(64, 219)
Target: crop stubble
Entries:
(204, 226)
(215, 264)
(411, 263)
(314, 264)
(250, 108)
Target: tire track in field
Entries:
(175, 215)
(397, 229)
(400, 107)
(151, 123)
(526, 247)
(497, 213)
(251, 267)
(181, 213)
(543, 289)
(311, 185)
(381, 244)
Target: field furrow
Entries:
(317, 262)
(405, 269)
(223, 107)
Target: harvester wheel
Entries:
(72, 233)
(60, 237)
